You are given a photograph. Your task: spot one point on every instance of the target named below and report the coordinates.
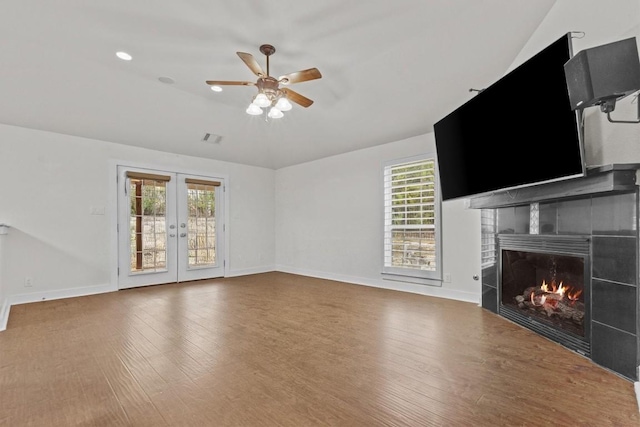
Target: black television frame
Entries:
(450, 161)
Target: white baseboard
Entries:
(59, 294)
(636, 387)
(432, 291)
(47, 295)
(376, 283)
(4, 314)
(253, 270)
(89, 290)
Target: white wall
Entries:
(329, 222)
(48, 184)
(4, 302)
(329, 212)
(602, 22)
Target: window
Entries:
(411, 219)
(488, 231)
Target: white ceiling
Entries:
(390, 69)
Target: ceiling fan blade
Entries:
(227, 83)
(251, 63)
(297, 98)
(300, 76)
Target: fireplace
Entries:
(544, 285)
(562, 259)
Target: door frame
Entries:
(145, 278)
(112, 207)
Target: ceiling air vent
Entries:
(212, 138)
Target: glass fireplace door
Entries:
(548, 287)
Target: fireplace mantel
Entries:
(601, 180)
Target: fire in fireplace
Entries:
(546, 287)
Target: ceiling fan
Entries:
(270, 92)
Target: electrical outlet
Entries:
(447, 277)
(28, 282)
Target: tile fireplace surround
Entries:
(600, 212)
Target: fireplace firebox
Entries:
(543, 285)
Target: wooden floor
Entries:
(278, 349)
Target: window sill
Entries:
(411, 279)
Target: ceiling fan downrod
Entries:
(267, 50)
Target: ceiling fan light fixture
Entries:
(283, 104)
(261, 100)
(254, 110)
(275, 113)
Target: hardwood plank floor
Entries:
(278, 349)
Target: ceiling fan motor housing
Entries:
(269, 86)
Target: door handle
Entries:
(172, 235)
(183, 234)
(172, 226)
(183, 225)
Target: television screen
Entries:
(517, 132)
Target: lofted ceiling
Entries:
(390, 70)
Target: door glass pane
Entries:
(201, 225)
(147, 225)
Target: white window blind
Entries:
(488, 240)
(411, 209)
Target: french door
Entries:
(170, 227)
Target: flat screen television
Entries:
(519, 131)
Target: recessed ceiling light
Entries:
(216, 88)
(124, 56)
